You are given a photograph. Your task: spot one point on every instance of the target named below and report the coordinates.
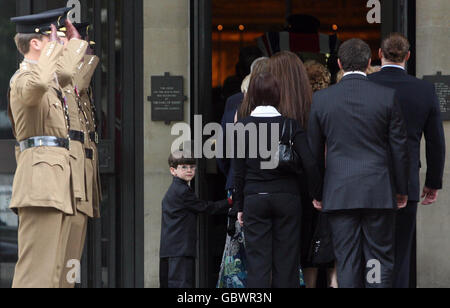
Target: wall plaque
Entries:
(167, 98)
(442, 85)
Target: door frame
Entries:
(201, 86)
(132, 190)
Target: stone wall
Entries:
(166, 49)
(433, 230)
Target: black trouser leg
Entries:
(286, 209)
(404, 240)
(378, 246)
(347, 240)
(181, 273)
(258, 239)
(164, 273)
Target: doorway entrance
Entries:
(221, 29)
(114, 252)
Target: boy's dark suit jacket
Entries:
(367, 154)
(180, 207)
(421, 111)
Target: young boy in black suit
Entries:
(180, 208)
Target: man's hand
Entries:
(402, 201)
(430, 196)
(318, 205)
(72, 32)
(241, 218)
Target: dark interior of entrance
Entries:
(236, 25)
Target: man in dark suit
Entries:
(359, 124)
(421, 111)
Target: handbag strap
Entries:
(284, 129)
(290, 130)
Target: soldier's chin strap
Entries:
(10, 116)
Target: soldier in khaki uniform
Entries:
(85, 158)
(93, 177)
(42, 188)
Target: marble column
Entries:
(166, 49)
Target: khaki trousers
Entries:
(43, 234)
(74, 251)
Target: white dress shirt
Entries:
(393, 65)
(355, 72)
(265, 112)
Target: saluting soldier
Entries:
(42, 191)
(83, 81)
(84, 157)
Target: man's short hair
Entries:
(395, 48)
(354, 55)
(23, 41)
(181, 158)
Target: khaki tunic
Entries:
(43, 175)
(82, 82)
(77, 153)
(82, 178)
(42, 188)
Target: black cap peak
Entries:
(41, 22)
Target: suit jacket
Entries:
(180, 208)
(82, 82)
(43, 175)
(421, 111)
(224, 164)
(365, 136)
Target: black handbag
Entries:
(287, 157)
(322, 250)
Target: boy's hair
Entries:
(181, 158)
(23, 40)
